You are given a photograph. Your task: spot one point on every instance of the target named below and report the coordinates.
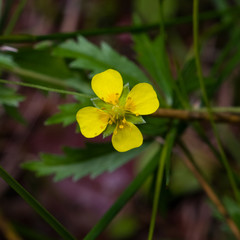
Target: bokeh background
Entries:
(185, 211)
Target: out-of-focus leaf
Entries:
(7, 61)
(233, 209)
(9, 97)
(66, 116)
(15, 114)
(93, 160)
(40, 67)
(152, 55)
(88, 56)
(188, 80)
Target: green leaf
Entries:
(8, 96)
(66, 116)
(88, 56)
(40, 67)
(152, 55)
(7, 61)
(15, 114)
(125, 197)
(93, 160)
(135, 119)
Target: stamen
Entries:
(121, 126)
(110, 122)
(137, 114)
(115, 131)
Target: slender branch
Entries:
(190, 163)
(198, 115)
(26, 38)
(48, 89)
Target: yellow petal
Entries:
(142, 100)
(127, 137)
(92, 121)
(108, 85)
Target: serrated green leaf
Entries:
(66, 116)
(88, 56)
(152, 55)
(134, 119)
(93, 160)
(8, 96)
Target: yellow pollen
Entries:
(121, 126)
(115, 132)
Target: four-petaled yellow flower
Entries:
(117, 110)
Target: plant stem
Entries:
(15, 17)
(161, 166)
(205, 98)
(221, 115)
(48, 89)
(26, 38)
(57, 226)
(191, 164)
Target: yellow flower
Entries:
(117, 110)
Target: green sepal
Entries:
(99, 103)
(134, 119)
(126, 90)
(109, 130)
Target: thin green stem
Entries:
(26, 38)
(205, 98)
(15, 17)
(53, 222)
(162, 162)
(48, 89)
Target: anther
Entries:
(121, 126)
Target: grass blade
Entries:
(52, 221)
